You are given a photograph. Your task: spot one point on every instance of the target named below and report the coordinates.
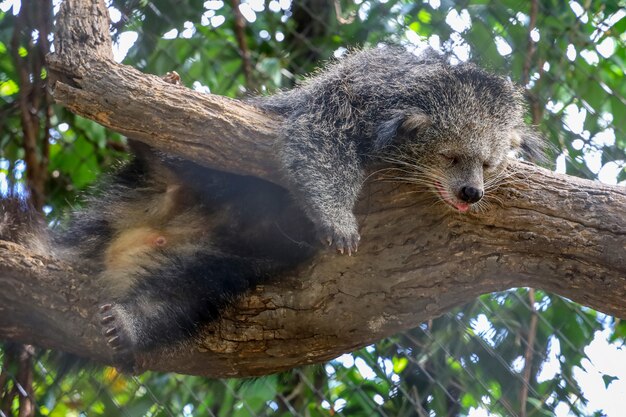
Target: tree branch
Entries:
(417, 260)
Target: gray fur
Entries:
(453, 124)
(21, 223)
(173, 244)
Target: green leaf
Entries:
(468, 401)
(495, 390)
(423, 16)
(539, 406)
(415, 27)
(399, 364)
(608, 379)
(8, 88)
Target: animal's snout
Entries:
(471, 194)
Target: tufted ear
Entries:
(407, 121)
(531, 143)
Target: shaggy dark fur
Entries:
(173, 244)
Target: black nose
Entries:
(471, 194)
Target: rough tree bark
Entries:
(417, 260)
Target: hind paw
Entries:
(113, 328)
(117, 336)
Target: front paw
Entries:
(117, 334)
(343, 235)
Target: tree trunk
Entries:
(416, 261)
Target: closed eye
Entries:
(451, 159)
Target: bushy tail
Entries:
(21, 223)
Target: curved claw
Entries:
(114, 342)
(117, 337)
(344, 244)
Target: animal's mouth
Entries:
(445, 196)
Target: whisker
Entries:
(483, 205)
(422, 192)
(378, 171)
(497, 199)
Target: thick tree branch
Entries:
(215, 131)
(417, 260)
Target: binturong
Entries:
(451, 127)
(172, 244)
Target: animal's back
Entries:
(458, 121)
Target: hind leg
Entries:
(143, 324)
(171, 303)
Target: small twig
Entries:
(530, 47)
(531, 50)
(244, 51)
(528, 356)
(28, 126)
(44, 22)
(339, 13)
(33, 97)
(4, 387)
(418, 403)
(25, 378)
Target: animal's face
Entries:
(459, 165)
(460, 173)
(455, 133)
